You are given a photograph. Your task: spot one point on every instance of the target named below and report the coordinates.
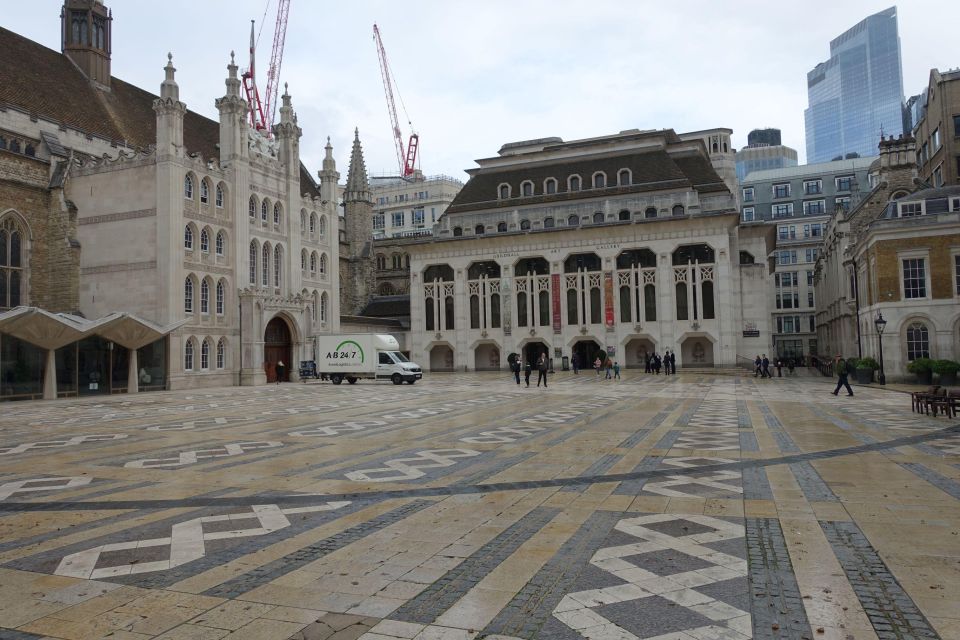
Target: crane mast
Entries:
(406, 157)
(262, 110)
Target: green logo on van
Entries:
(344, 351)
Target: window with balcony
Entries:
(782, 210)
(814, 208)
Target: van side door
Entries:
(384, 364)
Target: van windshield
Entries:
(399, 357)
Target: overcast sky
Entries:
(474, 75)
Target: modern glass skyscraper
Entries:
(857, 92)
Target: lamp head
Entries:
(880, 323)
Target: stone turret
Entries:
(288, 135)
(170, 112)
(85, 34)
(233, 121)
(358, 224)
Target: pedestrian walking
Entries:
(779, 366)
(527, 370)
(596, 366)
(646, 362)
(790, 366)
(542, 370)
(280, 370)
(515, 367)
(673, 362)
(666, 362)
(575, 363)
(657, 361)
(757, 364)
(765, 367)
(616, 370)
(609, 367)
(840, 368)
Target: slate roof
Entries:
(387, 307)
(45, 83)
(652, 170)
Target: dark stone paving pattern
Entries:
(433, 601)
(945, 484)
(756, 486)
(892, 613)
(260, 576)
(776, 605)
(533, 605)
(600, 466)
(748, 442)
(845, 426)
(784, 442)
(634, 487)
(488, 471)
(10, 634)
(100, 522)
(421, 492)
(812, 485)
(668, 440)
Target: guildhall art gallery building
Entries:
(627, 244)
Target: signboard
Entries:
(555, 287)
(750, 330)
(608, 298)
(751, 334)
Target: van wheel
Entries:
(352, 380)
(336, 378)
(396, 378)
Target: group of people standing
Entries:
(761, 366)
(542, 365)
(654, 362)
(600, 364)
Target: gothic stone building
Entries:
(209, 228)
(627, 244)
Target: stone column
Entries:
(50, 376)
(133, 372)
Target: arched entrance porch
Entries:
(532, 350)
(586, 350)
(636, 351)
(441, 358)
(696, 352)
(277, 347)
(486, 357)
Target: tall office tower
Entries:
(857, 93)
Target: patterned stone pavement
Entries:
(692, 507)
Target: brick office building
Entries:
(897, 253)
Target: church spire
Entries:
(358, 188)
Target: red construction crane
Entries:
(262, 112)
(406, 158)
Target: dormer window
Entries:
(910, 209)
(504, 191)
(526, 188)
(624, 179)
(550, 186)
(573, 183)
(599, 180)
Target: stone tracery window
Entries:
(12, 264)
(188, 355)
(188, 238)
(918, 341)
(204, 192)
(221, 354)
(204, 297)
(221, 294)
(188, 295)
(188, 187)
(220, 243)
(219, 197)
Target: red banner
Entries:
(608, 298)
(555, 286)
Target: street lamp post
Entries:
(881, 324)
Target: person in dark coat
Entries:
(646, 362)
(575, 363)
(515, 367)
(657, 362)
(542, 365)
(666, 362)
(281, 368)
(779, 366)
(840, 368)
(765, 367)
(673, 362)
(527, 370)
(757, 366)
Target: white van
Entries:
(356, 356)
